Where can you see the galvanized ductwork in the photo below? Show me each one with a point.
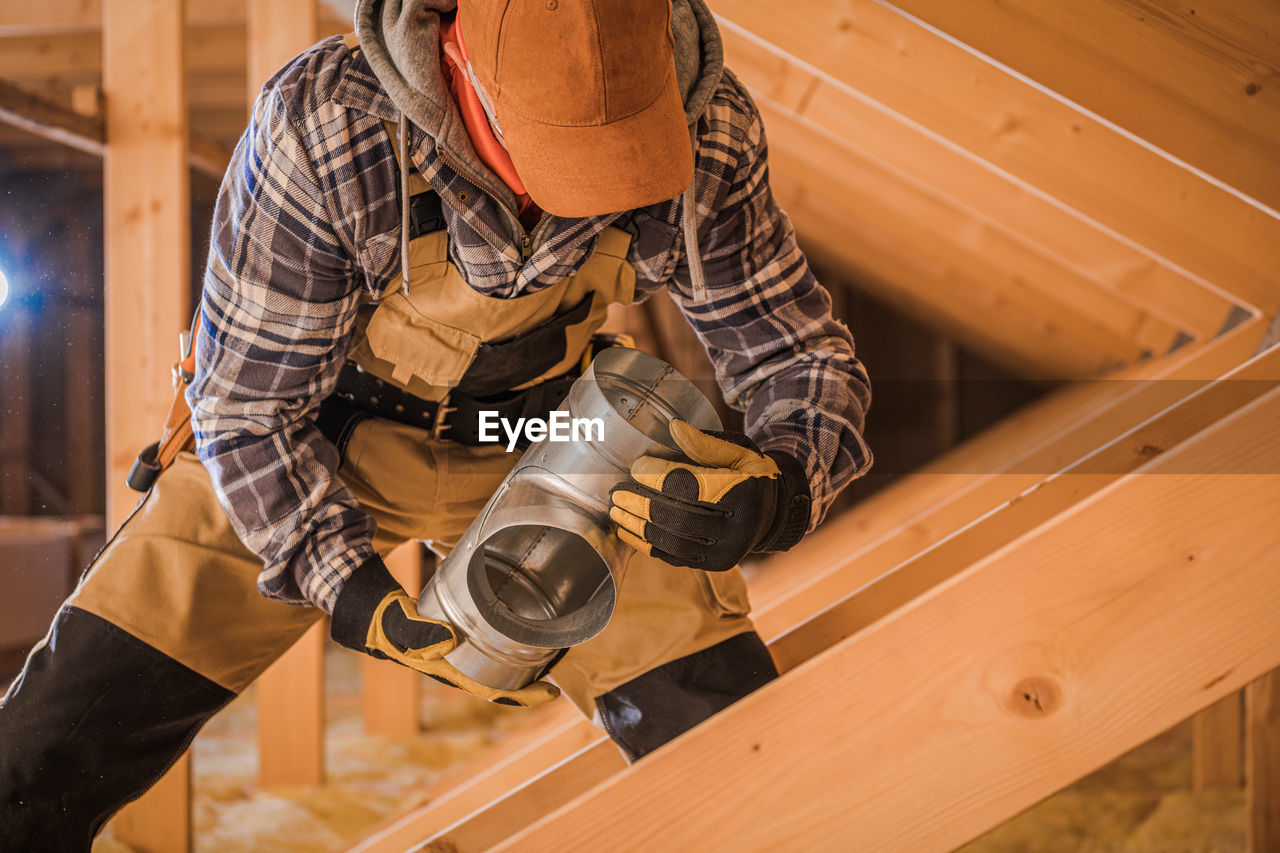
(539, 569)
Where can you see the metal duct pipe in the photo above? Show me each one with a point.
(539, 569)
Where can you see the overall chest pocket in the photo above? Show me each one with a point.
(416, 345)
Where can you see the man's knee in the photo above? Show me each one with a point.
(93, 720)
(668, 700)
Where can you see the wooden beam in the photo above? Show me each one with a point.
(147, 241)
(278, 30)
(39, 116)
(917, 249)
(290, 700)
(51, 121)
(937, 89)
(521, 760)
(1262, 797)
(1036, 665)
(291, 693)
(888, 584)
(1217, 740)
(879, 140)
(16, 327)
(390, 694)
(1195, 80)
(58, 17)
(77, 57)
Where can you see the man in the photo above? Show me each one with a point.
(577, 155)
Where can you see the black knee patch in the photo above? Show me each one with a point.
(94, 720)
(653, 708)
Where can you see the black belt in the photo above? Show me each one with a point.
(359, 395)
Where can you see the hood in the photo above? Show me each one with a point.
(401, 42)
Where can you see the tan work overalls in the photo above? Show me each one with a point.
(176, 576)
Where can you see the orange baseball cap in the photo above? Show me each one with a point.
(585, 98)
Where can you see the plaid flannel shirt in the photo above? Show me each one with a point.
(308, 219)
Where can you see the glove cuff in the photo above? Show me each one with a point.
(357, 601)
(794, 507)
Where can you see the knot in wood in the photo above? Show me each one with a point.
(1035, 697)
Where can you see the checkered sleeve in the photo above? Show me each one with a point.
(279, 302)
(780, 357)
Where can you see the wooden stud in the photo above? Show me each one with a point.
(290, 694)
(15, 404)
(160, 822)
(1036, 665)
(82, 379)
(290, 700)
(278, 30)
(390, 693)
(145, 180)
(1217, 755)
(1262, 764)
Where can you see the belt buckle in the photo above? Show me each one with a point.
(443, 410)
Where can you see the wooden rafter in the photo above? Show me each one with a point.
(1197, 80)
(1038, 664)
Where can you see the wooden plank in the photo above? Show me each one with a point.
(145, 195)
(390, 693)
(160, 822)
(918, 250)
(1262, 797)
(572, 778)
(290, 694)
(290, 700)
(16, 324)
(1217, 755)
(893, 144)
(82, 377)
(870, 52)
(51, 121)
(542, 748)
(72, 16)
(1196, 80)
(1038, 664)
(77, 57)
(278, 30)
(887, 584)
(988, 471)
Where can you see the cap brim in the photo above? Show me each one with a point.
(633, 162)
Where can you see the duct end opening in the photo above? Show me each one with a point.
(541, 586)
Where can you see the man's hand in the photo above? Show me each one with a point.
(708, 515)
(376, 616)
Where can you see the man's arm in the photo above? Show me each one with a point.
(278, 306)
(779, 354)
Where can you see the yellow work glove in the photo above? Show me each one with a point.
(374, 615)
(727, 501)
